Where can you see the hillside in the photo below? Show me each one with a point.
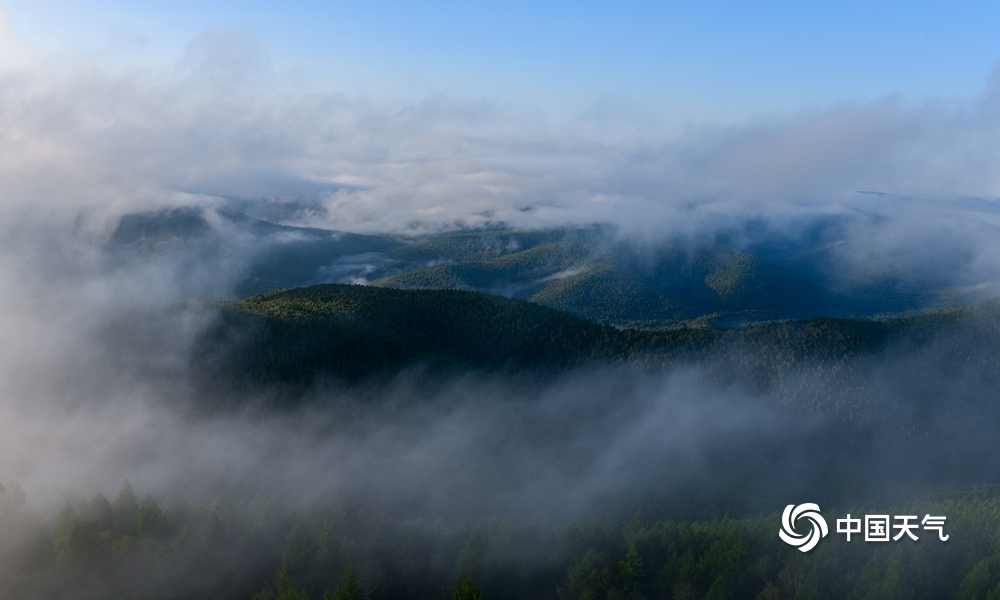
(592, 272)
(263, 255)
(610, 283)
(356, 333)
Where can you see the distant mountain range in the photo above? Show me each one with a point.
(590, 272)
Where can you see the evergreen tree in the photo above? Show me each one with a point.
(101, 510)
(125, 507)
(468, 591)
(348, 588)
(284, 588)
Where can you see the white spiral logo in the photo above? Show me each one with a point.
(817, 530)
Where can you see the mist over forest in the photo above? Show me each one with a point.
(256, 341)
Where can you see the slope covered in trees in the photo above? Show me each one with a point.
(357, 333)
(590, 275)
(127, 548)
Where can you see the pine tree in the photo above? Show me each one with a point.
(468, 591)
(348, 588)
(284, 589)
(125, 508)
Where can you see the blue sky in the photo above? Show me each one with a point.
(687, 62)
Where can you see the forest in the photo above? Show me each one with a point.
(262, 549)
(880, 418)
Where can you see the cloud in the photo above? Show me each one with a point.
(82, 144)
(223, 122)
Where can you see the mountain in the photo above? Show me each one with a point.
(264, 255)
(836, 267)
(353, 333)
(593, 276)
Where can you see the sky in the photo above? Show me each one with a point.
(691, 62)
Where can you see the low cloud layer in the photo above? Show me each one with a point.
(222, 122)
(90, 396)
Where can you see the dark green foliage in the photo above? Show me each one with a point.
(151, 522)
(100, 509)
(231, 550)
(125, 507)
(355, 333)
(514, 274)
(746, 283)
(414, 558)
(79, 541)
(87, 552)
(283, 588)
(468, 591)
(125, 502)
(348, 588)
(586, 274)
(745, 559)
(611, 297)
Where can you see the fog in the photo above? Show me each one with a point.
(97, 386)
(95, 369)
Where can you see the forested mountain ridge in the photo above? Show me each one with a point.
(608, 283)
(354, 333)
(593, 272)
